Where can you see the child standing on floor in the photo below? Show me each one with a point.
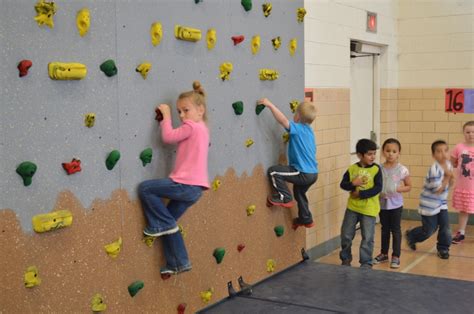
(186, 182)
(302, 168)
(433, 202)
(462, 158)
(396, 180)
(364, 182)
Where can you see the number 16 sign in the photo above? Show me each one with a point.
(459, 100)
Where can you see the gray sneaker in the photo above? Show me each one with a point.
(395, 263)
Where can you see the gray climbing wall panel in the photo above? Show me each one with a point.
(42, 120)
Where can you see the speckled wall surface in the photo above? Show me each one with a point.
(42, 121)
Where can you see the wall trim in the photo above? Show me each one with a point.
(324, 248)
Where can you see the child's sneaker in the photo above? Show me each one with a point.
(443, 254)
(277, 202)
(346, 262)
(395, 263)
(167, 271)
(150, 233)
(380, 258)
(297, 223)
(410, 244)
(458, 238)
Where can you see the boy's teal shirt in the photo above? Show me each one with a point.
(368, 201)
(302, 148)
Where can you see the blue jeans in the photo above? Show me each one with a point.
(348, 229)
(161, 217)
(429, 226)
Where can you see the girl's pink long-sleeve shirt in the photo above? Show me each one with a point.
(191, 156)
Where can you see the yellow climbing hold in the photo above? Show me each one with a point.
(45, 12)
(187, 33)
(52, 221)
(149, 240)
(216, 184)
(276, 42)
(143, 69)
(300, 13)
(66, 71)
(207, 295)
(182, 231)
(251, 210)
(271, 264)
(249, 142)
(225, 69)
(293, 105)
(156, 33)
(89, 120)
(286, 137)
(83, 21)
(97, 303)
(255, 44)
(211, 38)
(32, 277)
(292, 46)
(113, 249)
(267, 9)
(268, 74)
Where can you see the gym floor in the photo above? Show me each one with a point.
(424, 283)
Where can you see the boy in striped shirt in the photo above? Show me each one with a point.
(433, 202)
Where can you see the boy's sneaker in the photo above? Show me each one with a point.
(395, 263)
(150, 233)
(170, 271)
(458, 238)
(443, 254)
(366, 266)
(410, 244)
(380, 258)
(297, 223)
(275, 201)
(346, 262)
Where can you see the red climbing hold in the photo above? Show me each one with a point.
(181, 308)
(240, 247)
(165, 276)
(159, 115)
(73, 166)
(238, 39)
(23, 67)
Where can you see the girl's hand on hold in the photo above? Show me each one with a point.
(165, 110)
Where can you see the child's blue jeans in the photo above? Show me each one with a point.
(161, 217)
(348, 229)
(429, 226)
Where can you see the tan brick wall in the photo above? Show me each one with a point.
(327, 201)
(419, 121)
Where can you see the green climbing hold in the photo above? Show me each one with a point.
(146, 156)
(279, 230)
(247, 4)
(112, 160)
(259, 108)
(219, 254)
(109, 68)
(26, 170)
(134, 287)
(238, 107)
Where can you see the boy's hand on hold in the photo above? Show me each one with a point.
(165, 110)
(264, 101)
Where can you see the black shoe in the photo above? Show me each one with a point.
(458, 238)
(410, 244)
(443, 254)
(346, 262)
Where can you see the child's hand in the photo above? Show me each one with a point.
(358, 181)
(264, 101)
(165, 110)
(355, 194)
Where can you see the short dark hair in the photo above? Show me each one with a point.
(392, 141)
(364, 145)
(436, 144)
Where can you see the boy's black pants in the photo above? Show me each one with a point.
(280, 174)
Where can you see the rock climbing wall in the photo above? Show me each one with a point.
(42, 121)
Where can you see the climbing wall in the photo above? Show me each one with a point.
(42, 121)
